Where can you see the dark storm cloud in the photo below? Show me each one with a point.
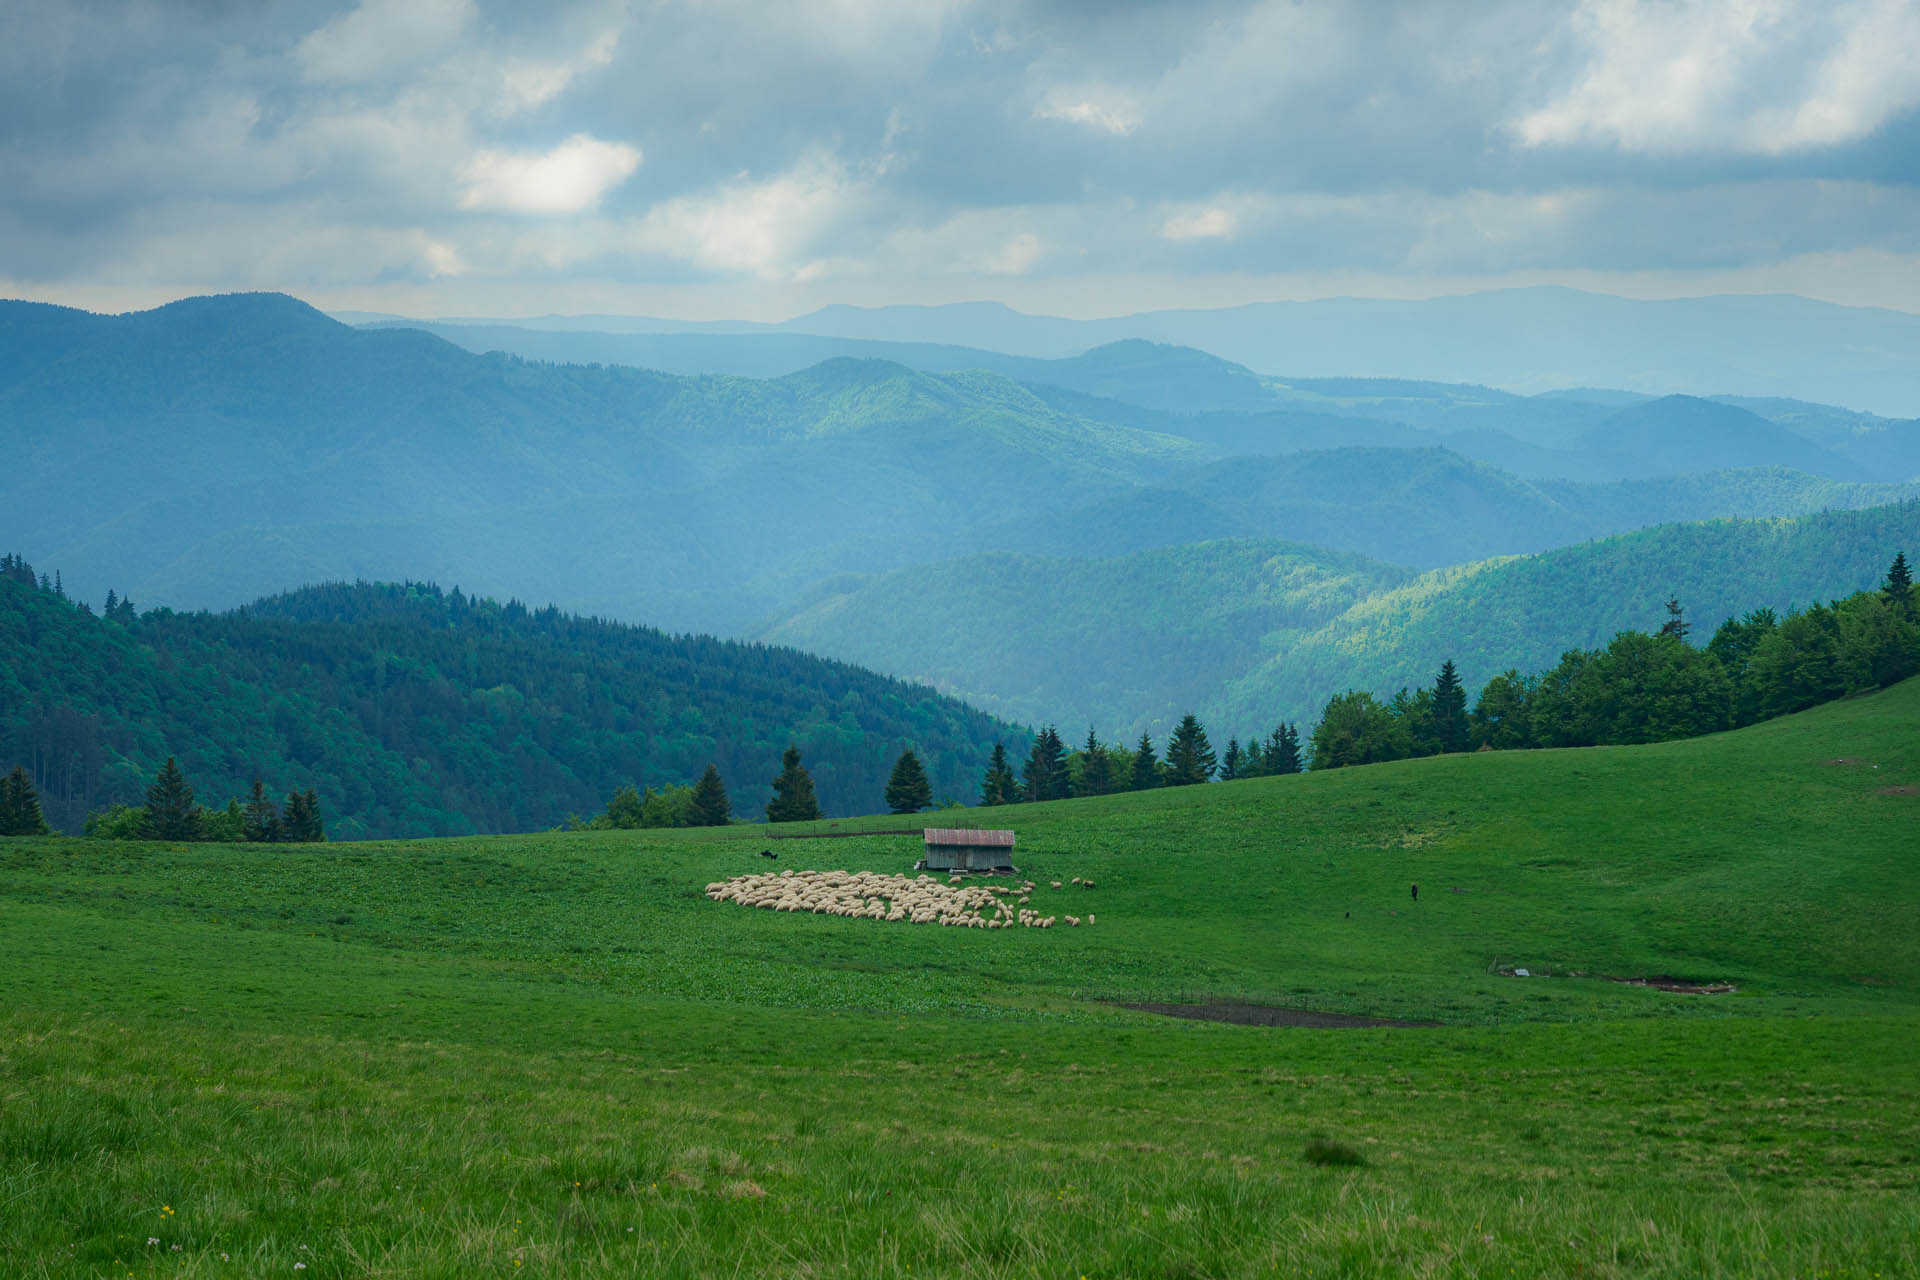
(316, 146)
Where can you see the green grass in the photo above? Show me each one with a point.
(452, 1057)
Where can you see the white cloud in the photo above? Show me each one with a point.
(768, 228)
(381, 37)
(1204, 224)
(571, 177)
(1014, 258)
(530, 84)
(1761, 76)
(1105, 111)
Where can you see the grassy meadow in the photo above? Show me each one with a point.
(553, 1055)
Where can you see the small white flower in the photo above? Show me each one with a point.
(153, 1239)
(299, 1266)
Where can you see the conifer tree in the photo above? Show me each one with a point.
(793, 799)
(1676, 624)
(1285, 748)
(907, 788)
(1230, 762)
(1045, 775)
(1096, 768)
(315, 832)
(1898, 589)
(113, 603)
(300, 818)
(1449, 709)
(260, 820)
(1146, 767)
(20, 806)
(1190, 757)
(170, 813)
(710, 807)
(999, 786)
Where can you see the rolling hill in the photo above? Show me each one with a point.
(1024, 636)
(462, 1054)
(420, 712)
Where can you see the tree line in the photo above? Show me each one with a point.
(1052, 772)
(1642, 687)
(705, 803)
(171, 813)
(1645, 686)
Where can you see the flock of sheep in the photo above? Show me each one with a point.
(870, 895)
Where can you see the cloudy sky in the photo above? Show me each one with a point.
(732, 158)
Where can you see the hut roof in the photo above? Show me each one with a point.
(969, 836)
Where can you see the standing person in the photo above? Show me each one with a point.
(1416, 893)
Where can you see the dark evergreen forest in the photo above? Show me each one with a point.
(416, 711)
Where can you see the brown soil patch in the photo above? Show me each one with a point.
(1844, 760)
(1909, 789)
(1243, 1014)
(1662, 982)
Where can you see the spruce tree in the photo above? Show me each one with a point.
(1676, 624)
(1287, 758)
(907, 788)
(1898, 589)
(1449, 709)
(1146, 768)
(170, 813)
(260, 821)
(1230, 762)
(300, 818)
(1190, 757)
(1045, 775)
(999, 786)
(793, 799)
(1096, 768)
(710, 807)
(20, 806)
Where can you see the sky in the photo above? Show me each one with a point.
(755, 160)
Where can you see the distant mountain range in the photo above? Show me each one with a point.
(220, 449)
(217, 449)
(1580, 434)
(1524, 340)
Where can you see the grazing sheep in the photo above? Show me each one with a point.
(1056, 884)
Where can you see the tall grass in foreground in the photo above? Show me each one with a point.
(179, 1151)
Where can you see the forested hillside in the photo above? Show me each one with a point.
(1132, 640)
(1031, 636)
(216, 449)
(1525, 612)
(414, 711)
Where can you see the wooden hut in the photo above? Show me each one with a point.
(966, 849)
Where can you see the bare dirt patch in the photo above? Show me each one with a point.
(1244, 1014)
(1907, 789)
(1663, 982)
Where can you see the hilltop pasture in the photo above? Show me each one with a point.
(554, 1055)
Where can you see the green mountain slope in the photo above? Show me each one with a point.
(1115, 642)
(1250, 633)
(1524, 612)
(418, 712)
(1421, 507)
